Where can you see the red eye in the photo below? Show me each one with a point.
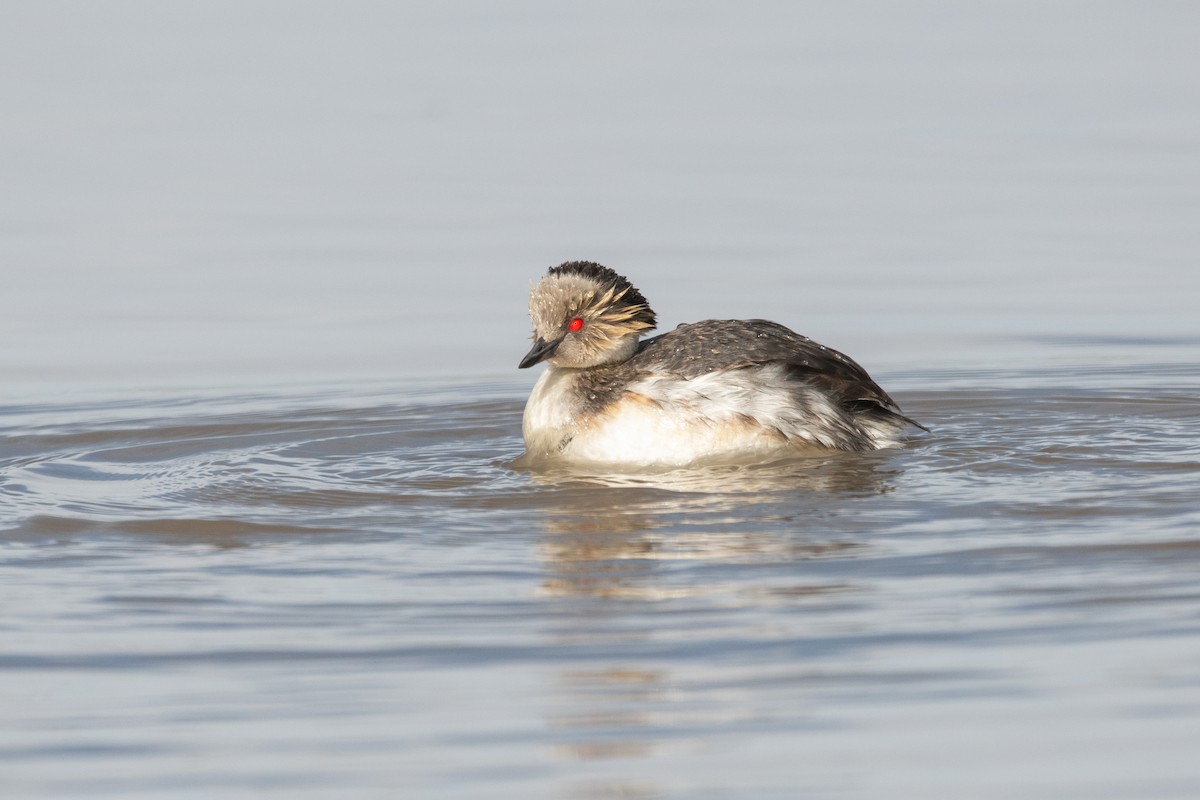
(575, 324)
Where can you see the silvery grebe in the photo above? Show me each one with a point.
(711, 390)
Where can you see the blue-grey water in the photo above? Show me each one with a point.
(264, 272)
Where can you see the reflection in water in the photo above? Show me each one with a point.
(606, 706)
(621, 565)
(849, 473)
(623, 549)
(604, 530)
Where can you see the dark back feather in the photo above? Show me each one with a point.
(691, 350)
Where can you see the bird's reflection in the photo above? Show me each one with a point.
(630, 556)
(604, 531)
(842, 473)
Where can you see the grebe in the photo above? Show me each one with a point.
(711, 390)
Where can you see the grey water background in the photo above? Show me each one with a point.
(264, 272)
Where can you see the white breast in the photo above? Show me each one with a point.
(550, 413)
(663, 420)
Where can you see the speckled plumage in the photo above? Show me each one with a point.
(715, 389)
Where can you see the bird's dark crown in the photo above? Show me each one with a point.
(608, 279)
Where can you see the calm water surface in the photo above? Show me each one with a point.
(264, 268)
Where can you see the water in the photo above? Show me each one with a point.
(344, 592)
(264, 274)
